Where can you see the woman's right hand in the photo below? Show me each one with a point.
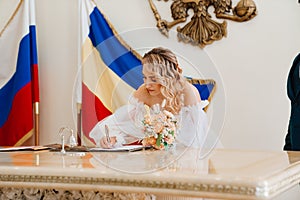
(105, 144)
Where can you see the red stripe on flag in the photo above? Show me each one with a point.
(19, 121)
(93, 111)
(35, 83)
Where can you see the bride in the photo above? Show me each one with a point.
(163, 80)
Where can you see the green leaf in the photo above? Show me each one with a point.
(158, 140)
(172, 133)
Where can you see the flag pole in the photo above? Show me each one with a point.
(34, 73)
(79, 124)
(78, 102)
(36, 123)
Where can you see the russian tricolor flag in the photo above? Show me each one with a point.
(111, 71)
(19, 89)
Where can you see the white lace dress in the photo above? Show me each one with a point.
(126, 124)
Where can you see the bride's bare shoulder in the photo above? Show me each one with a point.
(191, 95)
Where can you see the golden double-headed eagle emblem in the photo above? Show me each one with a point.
(202, 29)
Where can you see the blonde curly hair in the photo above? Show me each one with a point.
(163, 64)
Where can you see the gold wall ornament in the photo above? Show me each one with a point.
(202, 30)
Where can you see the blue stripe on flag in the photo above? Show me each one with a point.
(33, 46)
(113, 53)
(21, 77)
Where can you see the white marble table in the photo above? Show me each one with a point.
(223, 174)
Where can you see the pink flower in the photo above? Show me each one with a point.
(158, 127)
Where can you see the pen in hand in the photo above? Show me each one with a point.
(107, 135)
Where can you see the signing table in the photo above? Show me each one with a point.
(222, 174)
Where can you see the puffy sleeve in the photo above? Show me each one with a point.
(125, 124)
(194, 125)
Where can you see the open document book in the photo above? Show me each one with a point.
(24, 148)
(118, 149)
(57, 147)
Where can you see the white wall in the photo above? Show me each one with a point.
(254, 62)
(250, 108)
(57, 30)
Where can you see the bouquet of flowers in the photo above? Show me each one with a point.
(160, 127)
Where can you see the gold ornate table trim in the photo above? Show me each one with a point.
(140, 185)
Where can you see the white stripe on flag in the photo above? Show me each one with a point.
(9, 43)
